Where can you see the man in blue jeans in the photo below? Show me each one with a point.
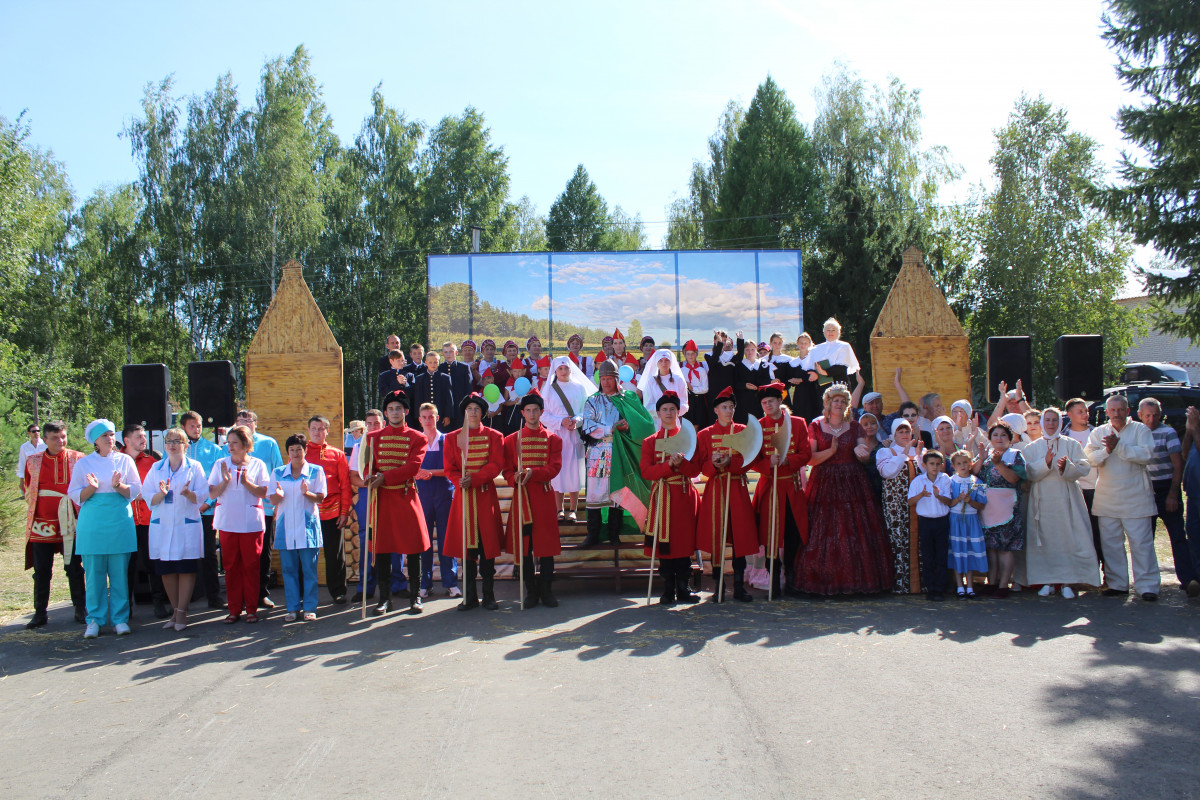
(1166, 476)
(1191, 485)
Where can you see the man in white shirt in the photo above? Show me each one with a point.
(1124, 500)
(34, 445)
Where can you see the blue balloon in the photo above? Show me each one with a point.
(521, 386)
(625, 373)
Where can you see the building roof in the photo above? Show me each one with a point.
(293, 322)
(916, 306)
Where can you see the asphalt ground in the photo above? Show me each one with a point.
(860, 698)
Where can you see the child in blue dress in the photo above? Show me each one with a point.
(968, 551)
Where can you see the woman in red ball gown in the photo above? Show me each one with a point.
(847, 550)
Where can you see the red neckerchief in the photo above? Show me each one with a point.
(693, 371)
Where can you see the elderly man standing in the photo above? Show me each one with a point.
(1124, 500)
(1166, 476)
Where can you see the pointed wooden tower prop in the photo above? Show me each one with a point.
(918, 331)
(294, 371)
(294, 364)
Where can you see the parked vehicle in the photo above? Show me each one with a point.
(1175, 398)
(1154, 372)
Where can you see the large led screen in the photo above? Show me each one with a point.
(670, 295)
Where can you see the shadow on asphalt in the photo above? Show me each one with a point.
(1134, 671)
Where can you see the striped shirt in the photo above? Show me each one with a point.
(1166, 442)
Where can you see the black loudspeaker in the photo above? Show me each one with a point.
(1009, 359)
(212, 389)
(145, 391)
(1080, 361)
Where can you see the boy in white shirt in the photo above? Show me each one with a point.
(930, 497)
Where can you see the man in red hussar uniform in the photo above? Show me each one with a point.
(474, 459)
(397, 521)
(671, 515)
(532, 457)
(791, 508)
(726, 501)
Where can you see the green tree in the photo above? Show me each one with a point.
(879, 186)
(690, 219)
(623, 232)
(531, 228)
(464, 182)
(578, 219)
(634, 334)
(768, 188)
(1050, 264)
(1158, 198)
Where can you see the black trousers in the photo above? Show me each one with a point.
(933, 536)
(383, 573)
(43, 569)
(335, 557)
(210, 575)
(1088, 496)
(264, 561)
(141, 560)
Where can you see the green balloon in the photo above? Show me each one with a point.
(491, 392)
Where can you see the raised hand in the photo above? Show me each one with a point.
(1003, 390)
(225, 471)
(164, 487)
(1062, 465)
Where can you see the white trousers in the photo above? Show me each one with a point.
(1113, 532)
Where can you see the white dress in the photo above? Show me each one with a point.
(1058, 531)
(576, 391)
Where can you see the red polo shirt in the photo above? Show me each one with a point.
(339, 494)
(141, 512)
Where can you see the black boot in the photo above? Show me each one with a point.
(488, 571)
(75, 578)
(669, 578)
(683, 575)
(773, 567)
(414, 584)
(545, 579)
(383, 576)
(615, 518)
(718, 588)
(739, 581)
(529, 579)
(470, 598)
(41, 599)
(593, 528)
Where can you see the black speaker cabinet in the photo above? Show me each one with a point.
(212, 388)
(145, 391)
(1009, 359)
(1080, 361)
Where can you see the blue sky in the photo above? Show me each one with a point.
(632, 90)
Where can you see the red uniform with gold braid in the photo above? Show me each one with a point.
(541, 452)
(674, 501)
(399, 522)
(742, 531)
(791, 492)
(485, 463)
(46, 479)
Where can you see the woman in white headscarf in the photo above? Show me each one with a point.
(1058, 538)
(1017, 423)
(662, 375)
(967, 433)
(564, 396)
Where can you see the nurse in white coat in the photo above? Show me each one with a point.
(1058, 535)
(565, 393)
(174, 489)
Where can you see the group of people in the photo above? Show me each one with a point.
(849, 499)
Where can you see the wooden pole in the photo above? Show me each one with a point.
(724, 536)
(364, 553)
(521, 521)
(466, 451)
(773, 552)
